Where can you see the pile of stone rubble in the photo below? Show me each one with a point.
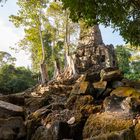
(97, 106)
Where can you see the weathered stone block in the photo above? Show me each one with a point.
(104, 123)
(8, 109)
(111, 74)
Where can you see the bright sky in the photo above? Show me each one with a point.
(9, 35)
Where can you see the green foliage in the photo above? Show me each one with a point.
(123, 15)
(6, 58)
(128, 62)
(134, 73)
(31, 17)
(123, 57)
(53, 28)
(14, 79)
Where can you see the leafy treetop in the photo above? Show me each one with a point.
(6, 58)
(122, 15)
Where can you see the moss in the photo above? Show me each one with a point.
(83, 87)
(104, 123)
(89, 109)
(137, 131)
(78, 101)
(126, 134)
(100, 85)
(83, 100)
(125, 92)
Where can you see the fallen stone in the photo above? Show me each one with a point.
(126, 134)
(131, 83)
(83, 88)
(131, 104)
(127, 105)
(64, 115)
(7, 133)
(93, 77)
(106, 93)
(100, 85)
(116, 84)
(12, 128)
(71, 101)
(33, 104)
(83, 101)
(14, 99)
(124, 105)
(71, 120)
(137, 131)
(111, 74)
(113, 104)
(98, 124)
(100, 88)
(87, 110)
(125, 92)
(8, 109)
(58, 130)
(39, 113)
(41, 133)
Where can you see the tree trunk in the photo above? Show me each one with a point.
(55, 59)
(57, 69)
(43, 69)
(44, 75)
(69, 62)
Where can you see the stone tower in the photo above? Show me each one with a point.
(92, 52)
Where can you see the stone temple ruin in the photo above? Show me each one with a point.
(92, 52)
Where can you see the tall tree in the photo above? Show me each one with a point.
(63, 31)
(44, 74)
(47, 29)
(123, 15)
(31, 17)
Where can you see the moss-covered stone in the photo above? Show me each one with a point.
(83, 100)
(100, 85)
(77, 101)
(83, 87)
(104, 123)
(137, 131)
(125, 92)
(126, 134)
(100, 88)
(113, 103)
(71, 101)
(109, 74)
(89, 109)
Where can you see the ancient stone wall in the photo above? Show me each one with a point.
(92, 52)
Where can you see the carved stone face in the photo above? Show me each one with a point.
(91, 50)
(90, 35)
